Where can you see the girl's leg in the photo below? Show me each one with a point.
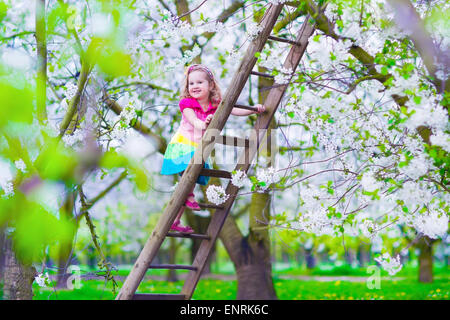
(180, 213)
(191, 198)
(177, 226)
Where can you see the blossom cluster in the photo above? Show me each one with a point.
(216, 194)
(71, 91)
(391, 264)
(128, 113)
(43, 280)
(253, 30)
(238, 178)
(284, 76)
(20, 164)
(266, 177)
(8, 188)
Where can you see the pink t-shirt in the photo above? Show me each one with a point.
(186, 128)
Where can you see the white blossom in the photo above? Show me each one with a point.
(316, 222)
(367, 228)
(102, 24)
(128, 113)
(266, 177)
(433, 224)
(239, 178)
(8, 188)
(441, 139)
(74, 139)
(215, 27)
(416, 168)
(390, 264)
(71, 90)
(216, 194)
(369, 183)
(253, 30)
(282, 78)
(21, 165)
(43, 280)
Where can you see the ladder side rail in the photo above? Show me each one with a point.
(247, 155)
(191, 173)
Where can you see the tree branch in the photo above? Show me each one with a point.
(41, 44)
(138, 126)
(407, 18)
(140, 83)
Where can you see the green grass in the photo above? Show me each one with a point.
(208, 289)
(407, 288)
(409, 271)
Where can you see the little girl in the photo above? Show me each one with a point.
(201, 96)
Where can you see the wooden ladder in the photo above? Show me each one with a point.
(195, 168)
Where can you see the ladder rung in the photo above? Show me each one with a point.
(206, 206)
(215, 173)
(188, 235)
(260, 74)
(240, 106)
(234, 141)
(293, 4)
(172, 266)
(209, 206)
(158, 296)
(295, 43)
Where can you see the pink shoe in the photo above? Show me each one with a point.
(187, 229)
(192, 205)
(176, 227)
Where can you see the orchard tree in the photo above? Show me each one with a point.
(363, 131)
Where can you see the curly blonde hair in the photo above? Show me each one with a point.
(215, 95)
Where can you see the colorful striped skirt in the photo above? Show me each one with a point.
(178, 154)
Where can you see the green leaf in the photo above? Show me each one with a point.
(3, 10)
(36, 228)
(417, 99)
(111, 159)
(56, 162)
(140, 178)
(17, 103)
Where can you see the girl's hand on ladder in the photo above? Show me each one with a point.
(208, 119)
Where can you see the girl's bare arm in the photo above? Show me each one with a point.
(243, 112)
(192, 118)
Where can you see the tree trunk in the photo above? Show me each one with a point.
(41, 44)
(200, 226)
(425, 246)
(310, 259)
(251, 255)
(2, 253)
(349, 256)
(363, 255)
(65, 250)
(18, 278)
(256, 253)
(171, 273)
(251, 259)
